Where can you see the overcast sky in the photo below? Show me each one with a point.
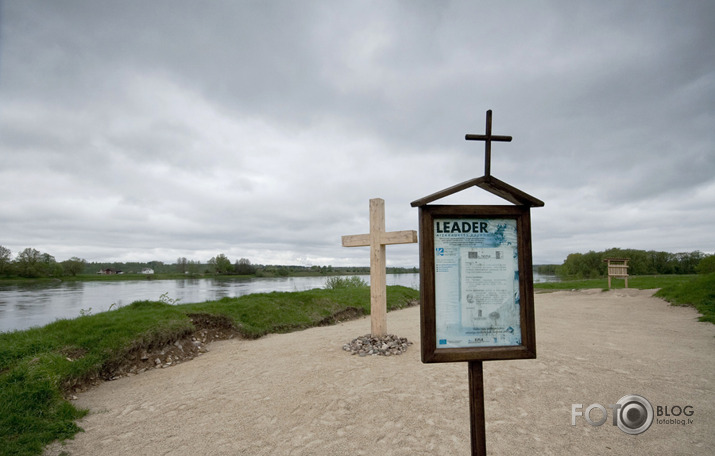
(152, 130)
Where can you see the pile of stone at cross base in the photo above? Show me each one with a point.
(387, 345)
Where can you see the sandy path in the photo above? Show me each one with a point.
(301, 394)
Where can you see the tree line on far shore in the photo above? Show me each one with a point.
(31, 263)
(591, 265)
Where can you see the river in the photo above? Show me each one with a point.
(26, 305)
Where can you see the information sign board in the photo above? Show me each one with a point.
(476, 283)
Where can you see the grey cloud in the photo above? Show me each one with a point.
(137, 128)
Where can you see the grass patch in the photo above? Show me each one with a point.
(640, 282)
(698, 292)
(680, 290)
(39, 365)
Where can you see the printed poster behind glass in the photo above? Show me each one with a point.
(478, 264)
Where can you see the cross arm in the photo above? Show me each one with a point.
(470, 137)
(392, 237)
(356, 240)
(399, 237)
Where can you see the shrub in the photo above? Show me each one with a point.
(334, 283)
(706, 265)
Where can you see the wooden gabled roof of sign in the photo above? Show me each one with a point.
(486, 182)
(490, 184)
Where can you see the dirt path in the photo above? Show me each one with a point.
(301, 394)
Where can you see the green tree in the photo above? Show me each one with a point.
(193, 267)
(73, 266)
(157, 266)
(590, 265)
(29, 263)
(181, 265)
(220, 264)
(582, 266)
(33, 263)
(706, 265)
(49, 267)
(5, 261)
(688, 261)
(244, 267)
(662, 262)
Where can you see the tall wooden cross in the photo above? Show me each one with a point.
(488, 138)
(377, 239)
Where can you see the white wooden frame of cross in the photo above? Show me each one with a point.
(377, 239)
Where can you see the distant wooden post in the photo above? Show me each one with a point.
(377, 239)
(618, 268)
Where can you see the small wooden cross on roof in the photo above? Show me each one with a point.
(377, 239)
(487, 181)
(488, 138)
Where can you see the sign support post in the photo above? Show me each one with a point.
(476, 409)
(476, 282)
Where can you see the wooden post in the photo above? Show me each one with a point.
(377, 239)
(476, 409)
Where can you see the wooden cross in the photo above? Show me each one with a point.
(488, 138)
(377, 239)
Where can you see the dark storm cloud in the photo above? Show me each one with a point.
(262, 128)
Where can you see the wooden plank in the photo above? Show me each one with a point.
(476, 409)
(509, 193)
(398, 237)
(378, 281)
(488, 183)
(427, 286)
(356, 240)
(471, 137)
(378, 292)
(392, 237)
(526, 286)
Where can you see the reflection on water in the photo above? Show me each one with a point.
(33, 304)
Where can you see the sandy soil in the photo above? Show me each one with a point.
(301, 394)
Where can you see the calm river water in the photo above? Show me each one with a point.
(25, 306)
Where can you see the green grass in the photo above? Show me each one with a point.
(39, 365)
(639, 282)
(680, 290)
(698, 292)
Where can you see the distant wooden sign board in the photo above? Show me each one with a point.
(618, 268)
